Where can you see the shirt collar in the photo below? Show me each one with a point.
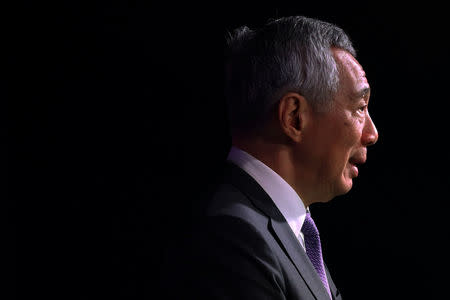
(281, 193)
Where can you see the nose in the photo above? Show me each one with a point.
(370, 132)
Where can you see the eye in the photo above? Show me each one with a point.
(362, 108)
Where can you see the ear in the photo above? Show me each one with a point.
(292, 115)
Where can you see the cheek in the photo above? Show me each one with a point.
(351, 135)
(336, 155)
(333, 143)
(345, 141)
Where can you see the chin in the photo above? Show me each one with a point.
(344, 187)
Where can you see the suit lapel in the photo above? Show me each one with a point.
(280, 227)
(299, 258)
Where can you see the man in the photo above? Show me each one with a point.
(300, 127)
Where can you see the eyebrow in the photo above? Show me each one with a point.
(362, 93)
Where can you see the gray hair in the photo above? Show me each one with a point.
(291, 54)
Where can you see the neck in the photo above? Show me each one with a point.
(281, 159)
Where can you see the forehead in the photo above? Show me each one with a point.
(351, 72)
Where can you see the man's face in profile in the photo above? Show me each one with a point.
(339, 138)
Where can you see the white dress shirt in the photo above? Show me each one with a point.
(282, 194)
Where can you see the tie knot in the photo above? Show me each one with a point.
(309, 227)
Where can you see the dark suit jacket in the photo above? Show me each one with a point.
(245, 249)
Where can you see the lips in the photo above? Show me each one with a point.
(355, 161)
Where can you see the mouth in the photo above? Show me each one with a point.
(354, 170)
(354, 163)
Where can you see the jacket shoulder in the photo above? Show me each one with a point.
(230, 201)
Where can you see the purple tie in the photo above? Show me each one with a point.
(314, 250)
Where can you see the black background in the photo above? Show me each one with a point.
(116, 123)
